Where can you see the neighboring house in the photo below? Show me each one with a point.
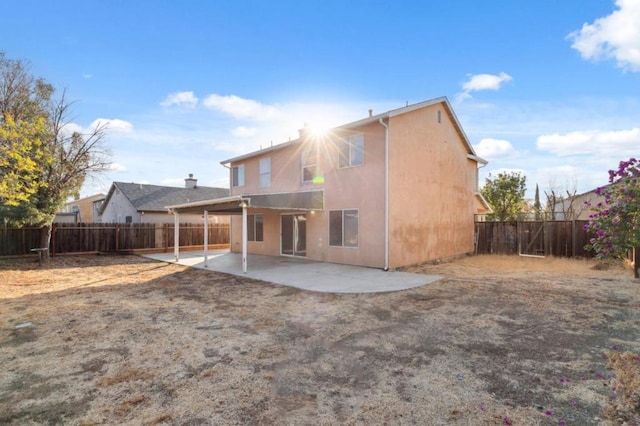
(142, 203)
(80, 210)
(66, 217)
(577, 207)
(390, 190)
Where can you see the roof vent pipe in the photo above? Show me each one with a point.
(370, 113)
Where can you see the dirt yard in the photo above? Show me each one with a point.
(126, 340)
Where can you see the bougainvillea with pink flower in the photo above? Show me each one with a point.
(615, 222)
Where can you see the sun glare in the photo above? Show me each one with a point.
(317, 130)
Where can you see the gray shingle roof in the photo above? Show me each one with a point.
(156, 198)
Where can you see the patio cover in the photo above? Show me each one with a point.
(307, 200)
(239, 204)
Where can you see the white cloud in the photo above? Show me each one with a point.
(494, 148)
(87, 76)
(481, 82)
(117, 167)
(619, 143)
(616, 36)
(485, 82)
(181, 99)
(71, 128)
(112, 125)
(244, 132)
(241, 108)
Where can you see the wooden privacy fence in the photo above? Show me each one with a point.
(533, 238)
(110, 237)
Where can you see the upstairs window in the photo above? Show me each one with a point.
(238, 175)
(309, 165)
(265, 172)
(351, 151)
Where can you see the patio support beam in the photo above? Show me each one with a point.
(176, 235)
(244, 237)
(206, 236)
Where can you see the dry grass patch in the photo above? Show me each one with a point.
(624, 405)
(500, 339)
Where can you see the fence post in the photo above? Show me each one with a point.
(52, 243)
(573, 238)
(165, 237)
(117, 236)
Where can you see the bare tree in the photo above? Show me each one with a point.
(564, 207)
(69, 157)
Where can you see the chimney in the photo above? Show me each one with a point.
(304, 132)
(370, 113)
(190, 182)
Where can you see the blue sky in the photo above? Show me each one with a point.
(550, 88)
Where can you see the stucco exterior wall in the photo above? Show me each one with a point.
(431, 187)
(359, 187)
(85, 206)
(118, 209)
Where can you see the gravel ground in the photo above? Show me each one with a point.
(127, 340)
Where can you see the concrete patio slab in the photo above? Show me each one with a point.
(302, 273)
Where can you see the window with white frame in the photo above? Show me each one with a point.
(255, 227)
(343, 228)
(238, 175)
(351, 151)
(309, 164)
(265, 172)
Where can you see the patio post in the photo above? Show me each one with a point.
(244, 237)
(176, 235)
(206, 236)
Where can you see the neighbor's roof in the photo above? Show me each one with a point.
(471, 154)
(155, 198)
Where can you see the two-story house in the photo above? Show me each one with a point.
(390, 190)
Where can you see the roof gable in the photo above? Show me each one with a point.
(471, 154)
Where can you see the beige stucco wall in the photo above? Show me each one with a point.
(431, 187)
(431, 193)
(118, 208)
(359, 187)
(85, 206)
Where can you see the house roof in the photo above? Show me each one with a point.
(155, 198)
(471, 154)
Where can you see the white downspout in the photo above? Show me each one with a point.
(386, 195)
(244, 237)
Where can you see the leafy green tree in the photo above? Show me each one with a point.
(42, 161)
(615, 222)
(21, 153)
(505, 195)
